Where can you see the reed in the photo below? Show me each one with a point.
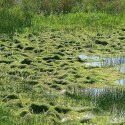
(20, 16)
(107, 99)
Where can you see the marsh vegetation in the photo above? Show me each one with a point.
(62, 62)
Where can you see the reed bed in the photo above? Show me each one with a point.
(36, 64)
(19, 17)
(108, 99)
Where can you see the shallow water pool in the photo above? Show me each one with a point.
(118, 61)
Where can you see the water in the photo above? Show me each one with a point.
(100, 61)
(106, 62)
(89, 116)
(94, 91)
(89, 57)
(122, 69)
(121, 81)
(94, 64)
(113, 61)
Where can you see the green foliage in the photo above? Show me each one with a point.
(39, 69)
(13, 17)
(57, 6)
(7, 3)
(66, 6)
(92, 21)
(18, 15)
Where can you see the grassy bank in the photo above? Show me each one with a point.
(73, 21)
(90, 21)
(43, 80)
(97, 14)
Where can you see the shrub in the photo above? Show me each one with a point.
(13, 17)
(56, 6)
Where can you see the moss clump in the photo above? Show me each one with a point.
(29, 48)
(38, 50)
(23, 113)
(52, 103)
(26, 61)
(46, 69)
(17, 41)
(59, 53)
(62, 109)
(121, 37)
(52, 57)
(32, 82)
(53, 114)
(57, 87)
(6, 61)
(10, 97)
(23, 66)
(37, 109)
(61, 82)
(19, 46)
(85, 120)
(90, 81)
(102, 42)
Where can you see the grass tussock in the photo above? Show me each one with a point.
(44, 80)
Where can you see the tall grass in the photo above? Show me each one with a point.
(13, 21)
(41, 14)
(107, 99)
(7, 118)
(112, 99)
(91, 21)
(66, 6)
(13, 17)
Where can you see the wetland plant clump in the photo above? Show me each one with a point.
(26, 61)
(62, 109)
(59, 60)
(107, 99)
(37, 109)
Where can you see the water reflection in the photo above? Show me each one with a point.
(122, 69)
(94, 91)
(121, 81)
(95, 64)
(101, 62)
(113, 61)
(105, 62)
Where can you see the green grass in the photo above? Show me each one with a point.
(96, 21)
(36, 69)
(91, 21)
(42, 79)
(67, 14)
(110, 99)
